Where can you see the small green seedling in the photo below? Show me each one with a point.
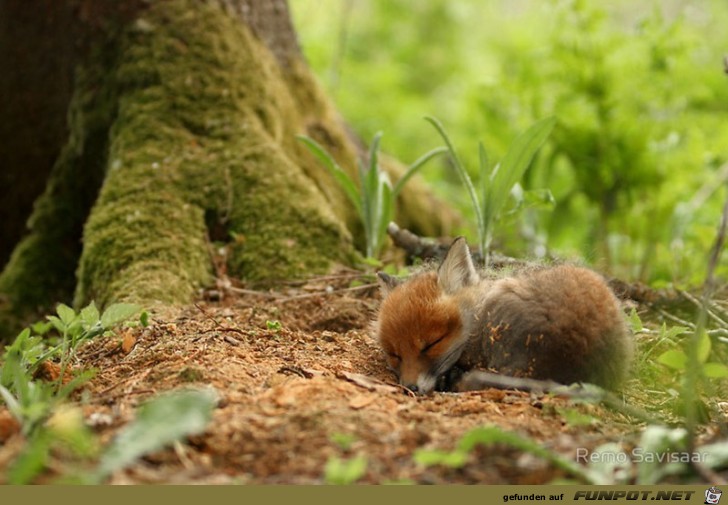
(273, 325)
(345, 471)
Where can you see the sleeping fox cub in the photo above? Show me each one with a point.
(561, 323)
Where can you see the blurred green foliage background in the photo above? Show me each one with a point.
(638, 161)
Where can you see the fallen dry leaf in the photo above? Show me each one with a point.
(8, 425)
(128, 341)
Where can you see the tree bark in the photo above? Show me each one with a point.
(182, 118)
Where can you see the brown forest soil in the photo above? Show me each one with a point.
(285, 392)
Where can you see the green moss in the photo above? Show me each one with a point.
(202, 118)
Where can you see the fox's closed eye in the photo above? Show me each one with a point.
(433, 344)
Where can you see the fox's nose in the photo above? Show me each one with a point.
(412, 387)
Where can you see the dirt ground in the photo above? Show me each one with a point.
(286, 393)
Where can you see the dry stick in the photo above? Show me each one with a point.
(262, 294)
(704, 304)
(324, 293)
(676, 319)
(218, 326)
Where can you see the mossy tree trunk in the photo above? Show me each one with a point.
(182, 117)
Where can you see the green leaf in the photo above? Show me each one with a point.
(41, 327)
(13, 358)
(90, 315)
(674, 358)
(659, 440)
(535, 199)
(430, 457)
(75, 383)
(714, 370)
(519, 156)
(66, 313)
(672, 332)
(31, 461)
(343, 440)
(342, 178)
(117, 313)
(144, 319)
(575, 418)
(273, 325)
(59, 325)
(635, 322)
(160, 422)
(704, 345)
(345, 471)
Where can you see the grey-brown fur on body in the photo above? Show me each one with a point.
(561, 323)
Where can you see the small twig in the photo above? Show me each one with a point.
(296, 370)
(262, 294)
(707, 474)
(222, 328)
(218, 326)
(676, 319)
(128, 381)
(325, 293)
(230, 340)
(703, 305)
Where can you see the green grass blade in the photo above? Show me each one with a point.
(13, 406)
(386, 212)
(464, 177)
(487, 216)
(75, 383)
(372, 195)
(366, 206)
(414, 167)
(342, 178)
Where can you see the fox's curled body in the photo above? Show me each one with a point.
(561, 323)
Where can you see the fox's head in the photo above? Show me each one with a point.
(421, 326)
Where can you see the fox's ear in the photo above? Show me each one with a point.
(387, 282)
(457, 270)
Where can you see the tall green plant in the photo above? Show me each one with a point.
(374, 197)
(495, 185)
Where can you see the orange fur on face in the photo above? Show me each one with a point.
(417, 324)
